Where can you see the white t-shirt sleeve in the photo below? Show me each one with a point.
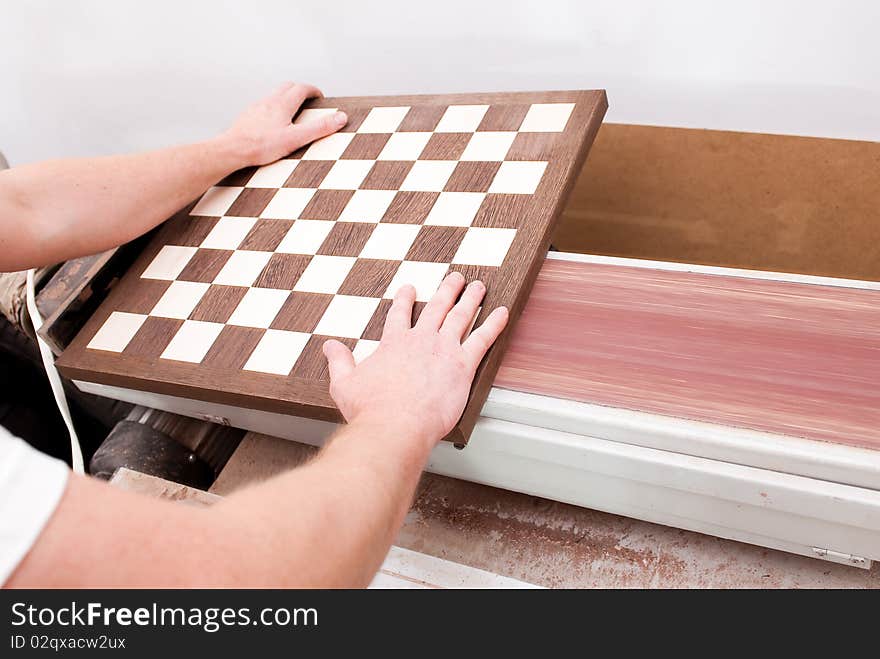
(31, 485)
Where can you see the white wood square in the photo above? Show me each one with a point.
(272, 176)
(179, 299)
(347, 316)
(461, 119)
(518, 177)
(216, 201)
(428, 175)
(546, 118)
(383, 120)
(192, 341)
(484, 246)
(228, 232)
(425, 277)
(313, 114)
(455, 209)
(258, 307)
(404, 146)
(328, 148)
(367, 205)
(277, 352)
(288, 203)
(363, 349)
(390, 241)
(346, 174)
(117, 331)
(169, 262)
(488, 147)
(242, 268)
(305, 237)
(324, 274)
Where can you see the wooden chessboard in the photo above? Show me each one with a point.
(234, 297)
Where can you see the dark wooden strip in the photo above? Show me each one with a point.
(145, 297)
(503, 211)
(445, 146)
(218, 303)
(312, 364)
(204, 265)
(193, 230)
(153, 337)
(410, 207)
(301, 312)
(282, 271)
(233, 347)
(369, 278)
(386, 175)
(346, 239)
(421, 118)
(365, 146)
(266, 235)
(472, 177)
(504, 117)
(251, 202)
(326, 205)
(436, 244)
(308, 174)
(533, 146)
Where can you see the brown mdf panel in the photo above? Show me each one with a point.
(283, 267)
(745, 200)
(786, 358)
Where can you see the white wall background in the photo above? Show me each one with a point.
(84, 77)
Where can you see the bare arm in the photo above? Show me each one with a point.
(327, 524)
(56, 210)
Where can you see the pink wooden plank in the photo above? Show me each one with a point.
(787, 358)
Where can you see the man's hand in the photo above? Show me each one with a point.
(264, 133)
(418, 379)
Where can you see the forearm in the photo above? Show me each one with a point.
(326, 524)
(331, 522)
(69, 208)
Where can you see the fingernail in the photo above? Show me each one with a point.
(340, 118)
(456, 275)
(478, 284)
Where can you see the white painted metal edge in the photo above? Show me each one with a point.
(784, 453)
(715, 270)
(763, 507)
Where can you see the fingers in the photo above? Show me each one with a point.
(399, 318)
(482, 338)
(302, 134)
(339, 359)
(458, 321)
(294, 95)
(434, 313)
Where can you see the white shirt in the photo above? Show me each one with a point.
(31, 485)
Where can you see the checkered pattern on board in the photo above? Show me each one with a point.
(275, 260)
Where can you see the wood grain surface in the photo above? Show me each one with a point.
(788, 358)
(216, 374)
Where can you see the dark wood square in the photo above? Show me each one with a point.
(445, 146)
(472, 177)
(282, 271)
(502, 211)
(308, 174)
(191, 231)
(369, 278)
(304, 392)
(410, 207)
(421, 118)
(239, 177)
(251, 202)
(504, 117)
(326, 205)
(386, 175)
(266, 235)
(218, 303)
(301, 312)
(233, 347)
(365, 146)
(153, 337)
(436, 244)
(346, 239)
(312, 364)
(205, 265)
